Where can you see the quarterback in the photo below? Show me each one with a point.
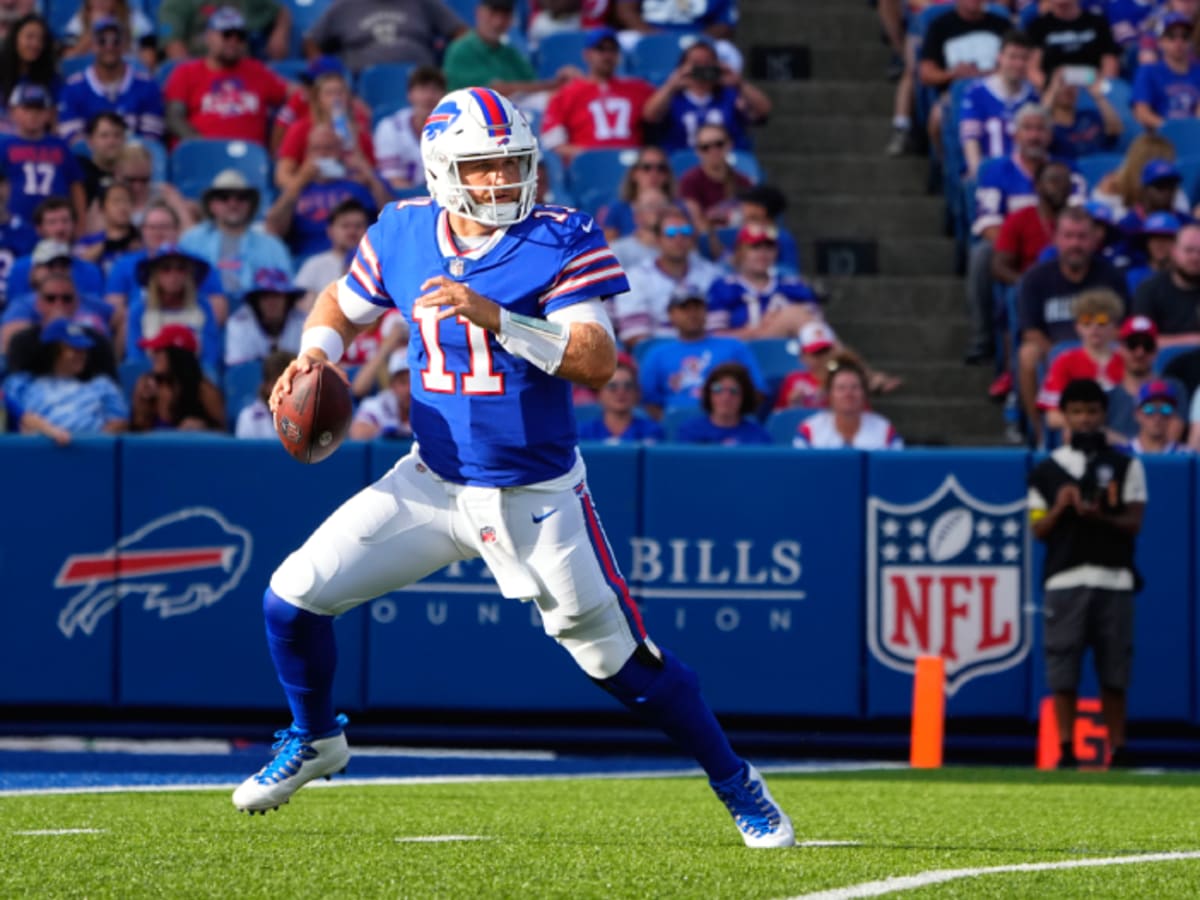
(504, 300)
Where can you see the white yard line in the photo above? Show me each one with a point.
(940, 876)
(441, 838)
(43, 832)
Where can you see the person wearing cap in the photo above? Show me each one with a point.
(366, 32)
(1171, 298)
(226, 95)
(805, 387)
(170, 279)
(226, 240)
(255, 421)
(267, 320)
(328, 176)
(1138, 345)
(1169, 88)
(387, 413)
(673, 370)
(182, 25)
(398, 135)
(1161, 192)
(755, 302)
(620, 420)
(1157, 240)
(175, 394)
(87, 32)
(38, 163)
(704, 88)
(481, 57)
(110, 84)
(57, 397)
(1158, 414)
(569, 126)
(1068, 35)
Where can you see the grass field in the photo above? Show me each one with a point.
(614, 838)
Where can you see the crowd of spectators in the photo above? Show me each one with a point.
(1065, 134)
(140, 291)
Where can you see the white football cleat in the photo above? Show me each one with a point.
(758, 817)
(299, 758)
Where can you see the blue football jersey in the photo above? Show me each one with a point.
(988, 118)
(481, 415)
(734, 304)
(686, 116)
(37, 169)
(137, 99)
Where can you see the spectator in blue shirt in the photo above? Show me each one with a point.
(1169, 89)
(620, 422)
(1079, 130)
(729, 400)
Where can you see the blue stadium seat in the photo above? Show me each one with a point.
(241, 388)
(557, 50)
(594, 176)
(195, 163)
(1184, 134)
(384, 87)
(1165, 355)
(776, 358)
(164, 70)
(1189, 168)
(1058, 349)
(58, 13)
(743, 160)
(1095, 166)
(641, 348)
(128, 373)
(675, 417)
(656, 56)
(75, 64)
(291, 69)
(782, 423)
(556, 175)
(465, 9)
(304, 14)
(587, 412)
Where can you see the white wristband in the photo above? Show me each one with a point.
(536, 340)
(322, 337)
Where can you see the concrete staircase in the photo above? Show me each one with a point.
(824, 148)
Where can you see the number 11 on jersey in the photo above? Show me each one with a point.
(480, 379)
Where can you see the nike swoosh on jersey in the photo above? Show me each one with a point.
(538, 520)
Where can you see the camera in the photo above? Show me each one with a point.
(706, 73)
(1079, 76)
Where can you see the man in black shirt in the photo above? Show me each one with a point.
(1047, 291)
(1087, 502)
(1172, 298)
(1067, 36)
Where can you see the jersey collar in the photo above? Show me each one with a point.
(448, 248)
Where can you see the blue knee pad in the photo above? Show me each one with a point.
(305, 656)
(666, 692)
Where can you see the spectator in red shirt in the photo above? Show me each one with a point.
(806, 386)
(226, 94)
(1097, 316)
(598, 110)
(1030, 230)
(713, 185)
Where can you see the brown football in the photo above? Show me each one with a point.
(312, 420)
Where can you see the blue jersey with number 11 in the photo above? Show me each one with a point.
(481, 415)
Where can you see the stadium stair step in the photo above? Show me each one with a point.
(824, 147)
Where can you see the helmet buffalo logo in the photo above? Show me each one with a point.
(439, 120)
(179, 563)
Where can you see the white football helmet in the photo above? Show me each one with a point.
(478, 123)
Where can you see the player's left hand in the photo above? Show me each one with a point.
(453, 298)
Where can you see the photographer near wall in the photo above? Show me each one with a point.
(1086, 502)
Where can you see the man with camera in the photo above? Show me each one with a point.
(1086, 502)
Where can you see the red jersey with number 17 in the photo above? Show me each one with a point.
(585, 113)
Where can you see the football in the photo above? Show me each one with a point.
(312, 420)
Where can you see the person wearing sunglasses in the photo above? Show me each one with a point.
(620, 421)
(183, 25)
(650, 171)
(729, 400)
(1158, 415)
(1138, 346)
(226, 95)
(1097, 319)
(175, 394)
(714, 185)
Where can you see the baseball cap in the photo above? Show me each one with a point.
(816, 336)
(685, 292)
(1173, 20)
(323, 65)
(47, 251)
(758, 234)
(1100, 212)
(1138, 325)
(398, 361)
(227, 19)
(1158, 390)
(274, 281)
(29, 94)
(172, 335)
(599, 35)
(170, 251)
(67, 332)
(100, 23)
(505, 5)
(1161, 223)
(1160, 170)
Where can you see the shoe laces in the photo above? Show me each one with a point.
(743, 796)
(293, 748)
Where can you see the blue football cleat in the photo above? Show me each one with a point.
(755, 812)
(299, 758)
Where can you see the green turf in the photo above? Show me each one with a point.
(612, 839)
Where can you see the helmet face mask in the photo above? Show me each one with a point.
(471, 125)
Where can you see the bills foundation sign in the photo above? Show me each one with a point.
(948, 576)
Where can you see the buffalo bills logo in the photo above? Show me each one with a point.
(439, 120)
(948, 576)
(179, 564)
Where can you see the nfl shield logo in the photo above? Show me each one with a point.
(457, 267)
(948, 576)
(487, 534)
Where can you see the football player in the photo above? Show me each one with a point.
(504, 301)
